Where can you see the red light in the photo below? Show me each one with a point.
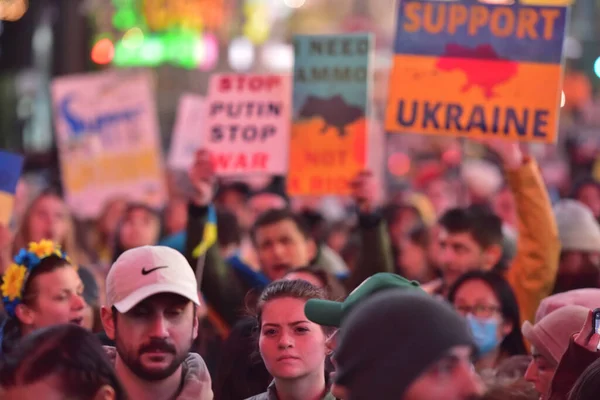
(103, 52)
(399, 164)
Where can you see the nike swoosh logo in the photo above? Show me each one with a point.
(147, 271)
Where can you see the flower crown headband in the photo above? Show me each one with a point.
(15, 277)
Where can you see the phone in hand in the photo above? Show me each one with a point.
(596, 321)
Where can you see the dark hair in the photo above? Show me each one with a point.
(484, 226)
(316, 223)
(68, 352)
(12, 329)
(276, 187)
(334, 289)
(419, 235)
(228, 228)
(240, 188)
(392, 212)
(513, 343)
(587, 385)
(297, 289)
(131, 207)
(581, 184)
(275, 216)
(241, 372)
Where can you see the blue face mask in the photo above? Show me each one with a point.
(485, 332)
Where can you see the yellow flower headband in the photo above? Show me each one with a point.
(15, 277)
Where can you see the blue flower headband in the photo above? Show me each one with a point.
(15, 277)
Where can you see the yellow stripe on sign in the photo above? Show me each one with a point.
(111, 169)
(7, 202)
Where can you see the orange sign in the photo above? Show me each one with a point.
(191, 14)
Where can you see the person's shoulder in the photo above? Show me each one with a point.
(262, 396)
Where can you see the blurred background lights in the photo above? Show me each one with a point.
(257, 15)
(278, 56)
(398, 164)
(133, 38)
(200, 51)
(211, 52)
(597, 67)
(294, 3)
(572, 48)
(103, 52)
(279, 10)
(124, 19)
(241, 54)
(152, 51)
(562, 99)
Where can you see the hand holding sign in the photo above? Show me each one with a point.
(202, 177)
(509, 152)
(363, 189)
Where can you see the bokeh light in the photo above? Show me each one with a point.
(133, 38)
(257, 27)
(278, 56)
(124, 19)
(572, 48)
(103, 52)
(562, 99)
(597, 67)
(241, 54)
(398, 164)
(211, 52)
(294, 3)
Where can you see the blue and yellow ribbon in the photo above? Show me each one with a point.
(209, 236)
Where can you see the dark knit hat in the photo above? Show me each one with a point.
(390, 339)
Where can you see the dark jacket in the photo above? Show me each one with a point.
(228, 290)
(572, 364)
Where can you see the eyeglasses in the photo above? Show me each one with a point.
(479, 310)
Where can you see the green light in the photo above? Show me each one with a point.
(178, 49)
(125, 19)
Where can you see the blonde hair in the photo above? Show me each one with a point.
(68, 245)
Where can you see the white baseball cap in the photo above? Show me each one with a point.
(148, 270)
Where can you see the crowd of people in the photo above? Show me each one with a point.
(235, 293)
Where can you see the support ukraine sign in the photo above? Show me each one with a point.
(477, 70)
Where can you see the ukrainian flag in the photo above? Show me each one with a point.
(209, 237)
(10, 171)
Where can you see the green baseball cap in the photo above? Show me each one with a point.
(331, 313)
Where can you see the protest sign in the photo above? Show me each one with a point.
(187, 133)
(477, 70)
(247, 123)
(10, 171)
(108, 140)
(332, 82)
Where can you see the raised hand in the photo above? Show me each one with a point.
(202, 178)
(509, 152)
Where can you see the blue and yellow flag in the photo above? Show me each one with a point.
(209, 237)
(10, 171)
